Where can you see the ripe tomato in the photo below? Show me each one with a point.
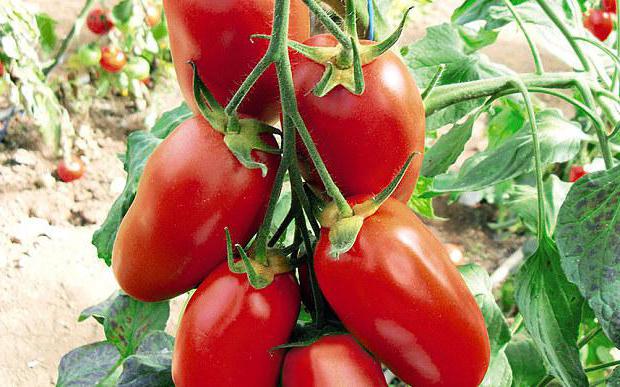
(599, 23)
(1, 69)
(398, 293)
(153, 15)
(609, 6)
(229, 328)
(364, 140)
(331, 361)
(113, 59)
(72, 170)
(576, 173)
(192, 188)
(216, 35)
(99, 22)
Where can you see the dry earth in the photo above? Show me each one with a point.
(48, 268)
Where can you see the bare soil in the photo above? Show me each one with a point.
(49, 271)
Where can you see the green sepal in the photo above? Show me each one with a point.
(247, 139)
(210, 109)
(255, 279)
(234, 267)
(343, 234)
(372, 52)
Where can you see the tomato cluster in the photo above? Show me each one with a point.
(395, 296)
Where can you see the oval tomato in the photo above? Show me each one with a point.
(216, 35)
(331, 361)
(99, 22)
(71, 170)
(191, 189)
(599, 23)
(229, 328)
(398, 293)
(113, 59)
(609, 6)
(363, 140)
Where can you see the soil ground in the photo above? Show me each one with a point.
(48, 268)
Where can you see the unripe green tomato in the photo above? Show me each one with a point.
(89, 55)
(138, 68)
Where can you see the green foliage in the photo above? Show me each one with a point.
(528, 367)
(588, 238)
(47, 28)
(140, 145)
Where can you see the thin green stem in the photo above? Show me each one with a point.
(249, 82)
(588, 337)
(567, 34)
(538, 64)
(517, 324)
(288, 219)
(546, 380)
(586, 93)
(589, 112)
(433, 82)
(603, 366)
(327, 21)
(77, 26)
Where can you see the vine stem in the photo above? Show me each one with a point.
(588, 337)
(77, 26)
(327, 21)
(538, 64)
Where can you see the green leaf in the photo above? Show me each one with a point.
(140, 145)
(588, 236)
(424, 58)
(559, 142)
(87, 365)
(420, 204)
(151, 365)
(448, 148)
(506, 118)
(100, 311)
(614, 378)
(551, 308)
(123, 11)
(527, 364)
(129, 321)
(479, 283)
(47, 30)
(523, 201)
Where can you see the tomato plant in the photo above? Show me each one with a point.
(336, 360)
(71, 170)
(99, 22)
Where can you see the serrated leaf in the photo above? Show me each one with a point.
(560, 141)
(527, 364)
(87, 365)
(523, 201)
(479, 283)
(551, 308)
(424, 58)
(588, 236)
(140, 145)
(151, 365)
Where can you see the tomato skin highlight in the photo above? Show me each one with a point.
(364, 140)
(229, 328)
(71, 171)
(610, 6)
(113, 59)
(332, 361)
(216, 35)
(99, 22)
(191, 189)
(400, 295)
(599, 23)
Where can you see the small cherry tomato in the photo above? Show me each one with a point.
(599, 23)
(71, 170)
(229, 329)
(576, 173)
(138, 68)
(331, 361)
(89, 55)
(609, 6)
(153, 15)
(1, 69)
(99, 21)
(113, 59)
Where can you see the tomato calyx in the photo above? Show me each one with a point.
(259, 275)
(343, 230)
(241, 135)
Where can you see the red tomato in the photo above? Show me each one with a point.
(72, 170)
(576, 173)
(99, 22)
(192, 188)
(153, 15)
(398, 292)
(113, 59)
(1, 69)
(609, 6)
(330, 362)
(364, 140)
(229, 328)
(599, 23)
(216, 35)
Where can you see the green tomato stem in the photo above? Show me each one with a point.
(603, 140)
(247, 84)
(588, 337)
(327, 21)
(535, 53)
(603, 366)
